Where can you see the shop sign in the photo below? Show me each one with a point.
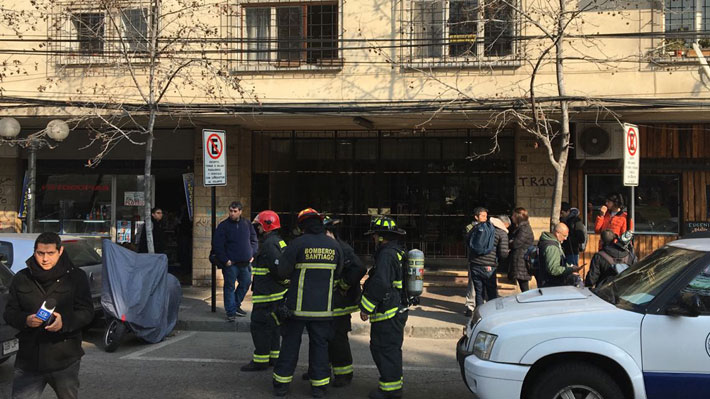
(134, 198)
(123, 231)
(695, 227)
(214, 153)
(188, 182)
(632, 155)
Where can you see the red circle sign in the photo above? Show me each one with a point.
(214, 146)
(631, 141)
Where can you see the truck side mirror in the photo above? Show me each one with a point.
(686, 304)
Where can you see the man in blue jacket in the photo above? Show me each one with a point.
(235, 244)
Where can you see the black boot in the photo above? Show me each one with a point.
(342, 380)
(252, 366)
(280, 389)
(380, 394)
(318, 392)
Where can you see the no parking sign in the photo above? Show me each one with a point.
(214, 146)
(632, 154)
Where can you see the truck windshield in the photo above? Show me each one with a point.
(638, 285)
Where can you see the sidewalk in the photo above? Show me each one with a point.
(440, 314)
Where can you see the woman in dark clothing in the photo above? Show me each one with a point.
(520, 239)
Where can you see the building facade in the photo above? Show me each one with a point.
(357, 109)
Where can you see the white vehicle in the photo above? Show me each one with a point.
(644, 334)
(17, 248)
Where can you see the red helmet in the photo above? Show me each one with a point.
(268, 220)
(308, 213)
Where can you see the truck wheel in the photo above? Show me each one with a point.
(575, 380)
(113, 334)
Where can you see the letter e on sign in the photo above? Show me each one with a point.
(214, 152)
(632, 154)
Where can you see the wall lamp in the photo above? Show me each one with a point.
(366, 123)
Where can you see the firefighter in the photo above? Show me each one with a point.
(382, 304)
(346, 299)
(267, 293)
(313, 263)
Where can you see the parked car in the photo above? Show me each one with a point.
(17, 248)
(644, 334)
(8, 343)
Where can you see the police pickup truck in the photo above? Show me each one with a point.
(644, 335)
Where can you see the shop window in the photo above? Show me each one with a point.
(657, 201)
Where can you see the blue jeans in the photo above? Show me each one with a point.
(30, 384)
(572, 259)
(238, 273)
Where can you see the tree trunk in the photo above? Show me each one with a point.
(148, 184)
(560, 164)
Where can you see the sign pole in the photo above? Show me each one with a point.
(632, 160)
(214, 267)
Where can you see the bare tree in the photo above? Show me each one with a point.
(131, 63)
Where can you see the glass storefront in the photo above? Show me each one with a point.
(90, 204)
(425, 180)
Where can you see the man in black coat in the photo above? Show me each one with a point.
(575, 243)
(50, 351)
(156, 216)
(602, 265)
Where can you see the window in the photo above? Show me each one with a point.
(656, 206)
(89, 32)
(461, 28)
(135, 29)
(291, 34)
(700, 286)
(679, 17)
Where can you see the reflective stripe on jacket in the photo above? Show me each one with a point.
(265, 286)
(382, 292)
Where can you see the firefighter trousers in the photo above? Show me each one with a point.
(386, 338)
(319, 333)
(265, 332)
(341, 358)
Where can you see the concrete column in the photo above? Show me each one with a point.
(238, 188)
(534, 181)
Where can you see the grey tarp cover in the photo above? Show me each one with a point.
(138, 289)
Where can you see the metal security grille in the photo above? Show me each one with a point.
(98, 34)
(274, 35)
(456, 31)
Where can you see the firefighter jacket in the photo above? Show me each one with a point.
(382, 292)
(347, 287)
(266, 286)
(313, 263)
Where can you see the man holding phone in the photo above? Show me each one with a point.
(554, 271)
(50, 350)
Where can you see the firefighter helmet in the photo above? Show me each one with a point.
(308, 213)
(330, 223)
(384, 224)
(268, 220)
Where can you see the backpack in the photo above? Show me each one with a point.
(532, 259)
(482, 238)
(618, 265)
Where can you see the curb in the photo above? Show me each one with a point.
(357, 329)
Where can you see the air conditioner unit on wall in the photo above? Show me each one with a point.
(599, 140)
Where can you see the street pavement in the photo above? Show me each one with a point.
(204, 364)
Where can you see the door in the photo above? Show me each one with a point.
(676, 349)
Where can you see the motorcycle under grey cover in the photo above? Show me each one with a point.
(139, 288)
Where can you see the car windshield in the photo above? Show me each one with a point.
(638, 285)
(81, 253)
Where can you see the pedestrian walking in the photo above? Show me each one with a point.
(268, 293)
(488, 246)
(577, 240)
(156, 216)
(235, 243)
(382, 304)
(554, 271)
(521, 238)
(480, 215)
(312, 263)
(346, 300)
(50, 349)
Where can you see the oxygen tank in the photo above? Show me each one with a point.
(415, 273)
